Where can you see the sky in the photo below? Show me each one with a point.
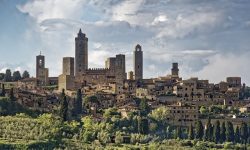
(210, 39)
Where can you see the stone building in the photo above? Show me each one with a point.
(138, 62)
(182, 114)
(67, 79)
(42, 73)
(234, 81)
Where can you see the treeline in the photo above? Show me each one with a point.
(218, 132)
(8, 76)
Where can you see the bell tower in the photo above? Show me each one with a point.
(138, 62)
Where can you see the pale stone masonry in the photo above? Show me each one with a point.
(68, 66)
(66, 79)
(42, 73)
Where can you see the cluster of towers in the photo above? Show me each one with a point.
(75, 70)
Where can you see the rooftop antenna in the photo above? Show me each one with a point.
(40, 52)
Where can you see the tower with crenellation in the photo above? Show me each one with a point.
(81, 54)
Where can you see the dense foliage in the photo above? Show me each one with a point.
(141, 129)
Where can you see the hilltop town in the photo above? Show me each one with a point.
(111, 94)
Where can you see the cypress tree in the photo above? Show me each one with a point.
(199, 130)
(78, 104)
(145, 126)
(3, 91)
(216, 134)
(64, 109)
(244, 132)
(223, 133)
(139, 124)
(229, 132)
(208, 129)
(62, 95)
(237, 135)
(12, 97)
(191, 132)
(178, 133)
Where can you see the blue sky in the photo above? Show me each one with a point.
(209, 39)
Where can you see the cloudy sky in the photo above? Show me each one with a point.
(209, 38)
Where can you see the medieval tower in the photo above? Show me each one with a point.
(40, 64)
(138, 62)
(175, 69)
(68, 66)
(81, 54)
(42, 73)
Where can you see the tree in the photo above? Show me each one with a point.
(118, 137)
(217, 132)
(3, 91)
(223, 133)
(16, 76)
(160, 114)
(25, 74)
(208, 131)
(62, 96)
(12, 97)
(64, 109)
(177, 134)
(78, 103)
(244, 132)
(237, 135)
(229, 132)
(7, 77)
(2, 76)
(199, 130)
(143, 125)
(104, 137)
(191, 132)
(204, 110)
(144, 108)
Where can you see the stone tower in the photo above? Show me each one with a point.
(120, 68)
(66, 79)
(175, 69)
(42, 73)
(40, 64)
(138, 63)
(68, 66)
(81, 54)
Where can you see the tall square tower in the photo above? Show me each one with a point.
(81, 54)
(68, 66)
(138, 62)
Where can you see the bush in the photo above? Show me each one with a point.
(228, 145)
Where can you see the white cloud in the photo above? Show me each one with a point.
(189, 32)
(184, 25)
(127, 11)
(221, 66)
(48, 9)
(159, 19)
